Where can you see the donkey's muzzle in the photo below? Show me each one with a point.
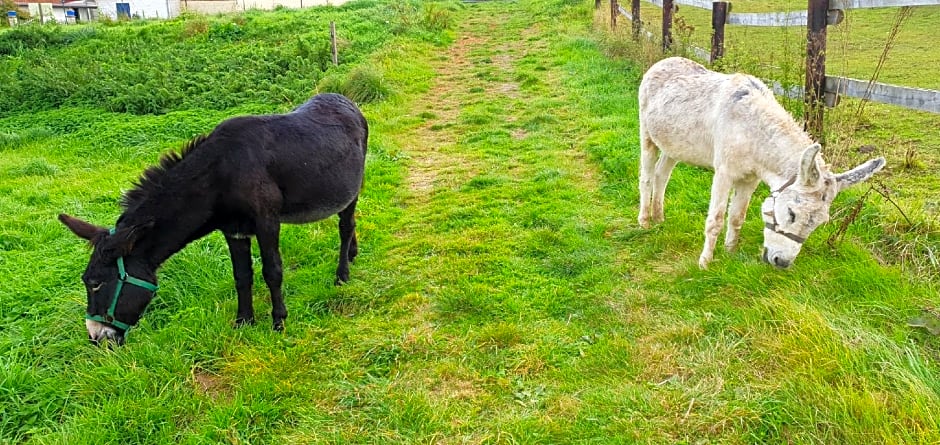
(775, 260)
(104, 334)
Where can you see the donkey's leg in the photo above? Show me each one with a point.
(239, 249)
(648, 152)
(353, 247)
(268, 234)
(721, 187)
(354, 241)
(737, 211)
(347, 238)
(663, 172)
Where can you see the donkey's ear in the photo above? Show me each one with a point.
(83, 229)
(809, 172)
(127, 236)
(860, 173)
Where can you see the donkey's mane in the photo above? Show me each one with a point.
(152, 178)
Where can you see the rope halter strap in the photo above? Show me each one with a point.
(123, 278)
(772, 213)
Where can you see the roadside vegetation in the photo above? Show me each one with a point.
(504, 292)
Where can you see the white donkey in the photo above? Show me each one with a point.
(733, 124)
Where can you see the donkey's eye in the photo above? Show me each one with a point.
(792, 216)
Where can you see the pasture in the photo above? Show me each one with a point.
(503, 293)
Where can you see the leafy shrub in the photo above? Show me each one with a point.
(144, 99)
(24, 38)
(225, 32)
(319, 52)
(197, 26)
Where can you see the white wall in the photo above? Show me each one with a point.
(142, 8)
(216, 6)
(210, 6)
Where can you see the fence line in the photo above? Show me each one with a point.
(862, 4)
(819, 89)
(794, 18)
(914, 98)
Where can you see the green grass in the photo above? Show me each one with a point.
(504, 292)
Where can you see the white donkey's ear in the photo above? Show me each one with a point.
(860, 173)
(809, 172)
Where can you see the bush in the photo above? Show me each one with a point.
(24, 38)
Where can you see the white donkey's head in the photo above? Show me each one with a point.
(793, 211)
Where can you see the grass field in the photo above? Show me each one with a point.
(504, 292)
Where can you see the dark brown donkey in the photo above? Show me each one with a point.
(245, 178)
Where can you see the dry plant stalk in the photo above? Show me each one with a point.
(903, 14)
(844, 226)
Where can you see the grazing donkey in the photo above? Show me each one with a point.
(245, 178)
(732, 124)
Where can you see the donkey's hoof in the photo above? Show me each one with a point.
(279, 325)
(244, 321)
(340, 280)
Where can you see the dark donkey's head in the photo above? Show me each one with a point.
(119, 284)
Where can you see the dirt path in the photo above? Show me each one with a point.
(437, 159)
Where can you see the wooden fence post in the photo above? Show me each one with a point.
(815, 88)
(333, 43)
(668, 9)
(613, 13)
(719, 18)
(635, 12)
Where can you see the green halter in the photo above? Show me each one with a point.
(123, 277)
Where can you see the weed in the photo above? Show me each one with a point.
(194, 26)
